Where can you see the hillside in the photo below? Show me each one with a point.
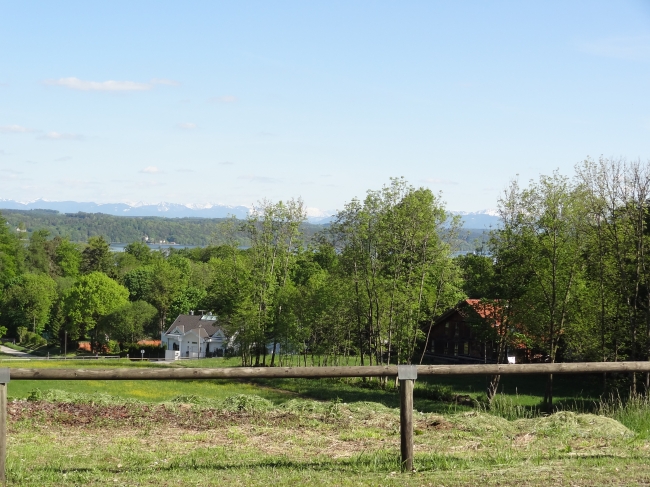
(184, 231)
(80, 226)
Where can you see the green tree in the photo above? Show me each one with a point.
(37, 256)
(11, 254)
(274, 233)
(166, 283)
(92, 297)
(618, 231)
(478, 275)
(544, 234)
(96, 257)
(67, 257)
(140, 251)
(187, 299)
(127, 323)
(138, 282)
(28, 301)
(395, 247)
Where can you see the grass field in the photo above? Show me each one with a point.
(319, 432)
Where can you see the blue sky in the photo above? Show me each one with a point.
(231, 102)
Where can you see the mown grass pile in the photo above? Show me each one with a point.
(61, 437)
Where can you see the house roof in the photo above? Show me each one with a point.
(485, 310)
(202, 325)
(489, 310)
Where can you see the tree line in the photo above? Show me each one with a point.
(567, 269)
(570, 266)
(79, 227)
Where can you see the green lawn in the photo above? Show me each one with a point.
(304, 442)
(319, 432)
(431, 394)
(151, 391)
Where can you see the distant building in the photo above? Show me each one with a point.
(459, 335)
(196, 336)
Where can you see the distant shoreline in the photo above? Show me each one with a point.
(120, 246)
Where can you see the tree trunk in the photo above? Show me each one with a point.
(548, 395)
(275, 342)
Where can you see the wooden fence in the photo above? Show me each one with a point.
(406, 375)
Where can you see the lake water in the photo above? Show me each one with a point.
(119, 247)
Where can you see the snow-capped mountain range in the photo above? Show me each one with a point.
(473, 219)
(170, 210)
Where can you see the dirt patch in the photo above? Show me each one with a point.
(106, 416)
(439, 423)
(270, 433)
(523, 439)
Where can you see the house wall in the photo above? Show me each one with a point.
(193, 347)
(454, 337)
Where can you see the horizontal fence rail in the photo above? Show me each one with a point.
(406, 375)
(322, 372)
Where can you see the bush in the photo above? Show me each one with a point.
(150, 351)
(113, 347)
(21, 332)
(30, 340)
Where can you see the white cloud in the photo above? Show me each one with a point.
(61, 136)
(148, 184)
(110, 85)
(11, 173)
(63, 159)
(81, 85)
(439, 181)
(14, 129)
(226, 163)
(151, 170)
(77, 183)
(631, 48)
(224, 99)
(259, 179)
(187, 125)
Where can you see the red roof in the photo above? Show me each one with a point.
(486, 309)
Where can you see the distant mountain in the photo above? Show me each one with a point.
(320, 217)
(169, 210)
(479, 219)
(473, 219)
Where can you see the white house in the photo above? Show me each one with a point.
(196, 336)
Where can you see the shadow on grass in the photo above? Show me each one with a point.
(380, 462)
(440, 394)
(354, 391)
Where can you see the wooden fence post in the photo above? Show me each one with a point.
(4, 380)
(406, 375)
